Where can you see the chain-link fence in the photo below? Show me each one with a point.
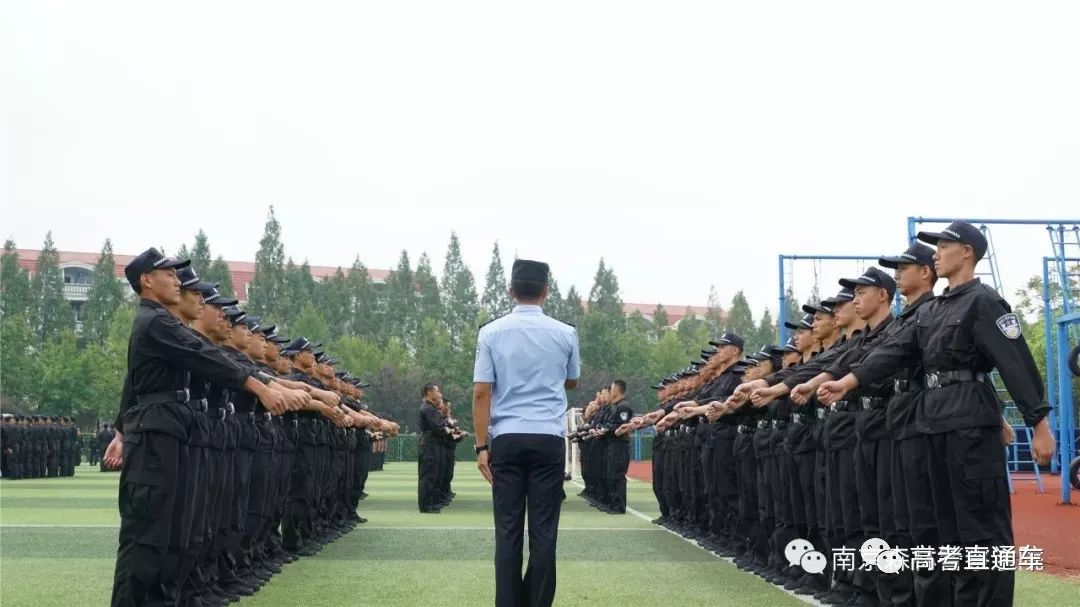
(404, 447)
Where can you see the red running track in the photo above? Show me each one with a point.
(1039, 520)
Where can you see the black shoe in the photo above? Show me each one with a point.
(431, 511)
(836, 597)
(568, 477)
(239, 588)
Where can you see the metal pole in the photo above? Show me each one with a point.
(911, 229)
(1065, 416)
(1051, 371)
(782, 315)
(999, 221)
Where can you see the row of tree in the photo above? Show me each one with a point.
(400, 333)
(412, 328)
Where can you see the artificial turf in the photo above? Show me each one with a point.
(58, 541)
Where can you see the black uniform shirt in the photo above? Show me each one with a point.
(245, 402)
(161, 353)
(430, 419)
(969, 328)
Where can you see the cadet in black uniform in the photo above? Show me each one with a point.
(618, 450)
(433, 430)
(154, 421)
(959, 338)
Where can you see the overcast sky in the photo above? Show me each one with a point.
(686, 143)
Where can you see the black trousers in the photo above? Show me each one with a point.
(971, 504)
(618, 461)
(429, 485)
(528, 476)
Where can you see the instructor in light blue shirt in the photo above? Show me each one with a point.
(525, 362)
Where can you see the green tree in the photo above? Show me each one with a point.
(105, 298)
(402, 301)
(460, 305)
(714, 313)
(333, 303)
(14, 284)
(63, 389)
(219, 273)
(604, 296)
(19, 363)
(365, 302)
(668, 355)
(430, 300)
(310, 324)
(741, 318)
(52, 312)
(200, 254)
(766, 331)
(496, 299)
(660, 322)
(434, 353)
(266, 291)
(106, 367)
(792, 309)
(574, 311)
(299, 291)
(553, 305)
(690, 330)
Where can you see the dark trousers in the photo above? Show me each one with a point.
(972, 507)
(427, 491)
(528, 475)
(618, 464)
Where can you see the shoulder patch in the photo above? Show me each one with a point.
(624, 415)
(1009, 325)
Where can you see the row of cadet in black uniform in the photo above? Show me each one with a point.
(98, 444)
(237, 456)
(604, 447)
(439, 436)
(891, 431)
(38, 446)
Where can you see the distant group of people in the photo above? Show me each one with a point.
(604, 447)
(39, 446)
(98, 444)
(439, 436)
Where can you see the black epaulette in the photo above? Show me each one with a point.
(491, 321)
(567, 323)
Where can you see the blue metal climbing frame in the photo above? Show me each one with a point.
(782, 265)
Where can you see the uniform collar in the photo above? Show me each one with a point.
(911, 307)
(151, 304)
(967, 286)
(528, 309)
(880, 326)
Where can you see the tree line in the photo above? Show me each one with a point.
(415, 327)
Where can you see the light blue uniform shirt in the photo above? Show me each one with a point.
(528, 356)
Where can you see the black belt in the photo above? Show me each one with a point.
(763, 424)
(907, 385)
(939, 379)
(843, 405)
(259, 416)
(216, 413)
(873, 402)
(779, 424)
(744, 429)
(199, 404)
(159, 398)
(801, 417)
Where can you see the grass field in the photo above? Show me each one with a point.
(58, 541)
